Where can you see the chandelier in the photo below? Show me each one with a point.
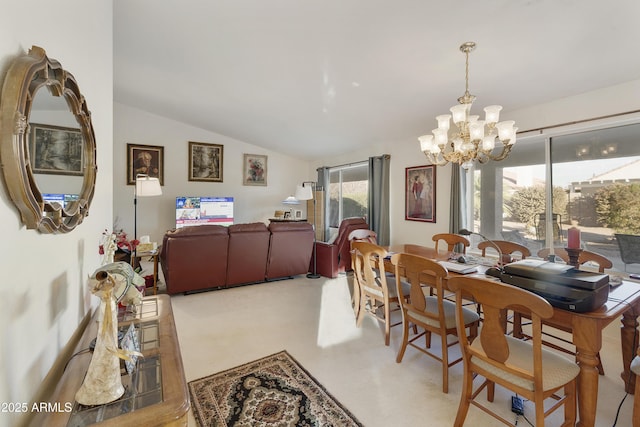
(474, 139)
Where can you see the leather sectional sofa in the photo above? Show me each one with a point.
(213, 256)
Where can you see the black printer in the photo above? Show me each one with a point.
(564, 286)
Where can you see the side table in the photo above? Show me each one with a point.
(136, 256)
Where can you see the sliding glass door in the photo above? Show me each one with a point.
(588, 179)
(348, 192)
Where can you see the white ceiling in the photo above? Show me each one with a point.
(317, 78)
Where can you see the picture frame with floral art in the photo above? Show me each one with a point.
(206, 162)
(145, 160)
(254, 169)
(420, 193)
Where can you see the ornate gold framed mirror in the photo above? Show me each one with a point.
(47, 144)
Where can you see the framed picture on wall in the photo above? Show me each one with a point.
(205, 162)
(56, 150)
(254, 171)
(145, 160)
(420, 193)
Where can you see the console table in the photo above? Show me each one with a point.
(155, 394)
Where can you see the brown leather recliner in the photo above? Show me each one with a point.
(248, 250)
(334, 258)
(289, 250)
(198, 258)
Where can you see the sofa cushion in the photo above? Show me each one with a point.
(248, 250)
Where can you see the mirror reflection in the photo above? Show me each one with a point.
(55, 147)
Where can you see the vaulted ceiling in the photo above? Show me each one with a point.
(318, 78)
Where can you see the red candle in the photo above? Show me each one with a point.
(573, 238)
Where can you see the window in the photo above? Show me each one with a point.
(588, 179)
(348, 192)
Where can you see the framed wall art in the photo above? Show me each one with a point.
(205, 162)
(254, 171)
(146, 160)
(420, 193)
(56, 150)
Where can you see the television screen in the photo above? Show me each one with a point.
(62, 199)
(203, 210)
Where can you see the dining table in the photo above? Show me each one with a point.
(586, 329)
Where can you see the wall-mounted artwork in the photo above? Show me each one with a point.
(205, 162)
(254, 171)
(420, 193)
(56, 150)
(145, 160)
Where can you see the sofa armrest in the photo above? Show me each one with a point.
(327, 260)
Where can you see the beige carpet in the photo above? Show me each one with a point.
(272, 391)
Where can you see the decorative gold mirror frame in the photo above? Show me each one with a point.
(25, 76)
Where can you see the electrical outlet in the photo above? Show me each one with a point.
(517, 405)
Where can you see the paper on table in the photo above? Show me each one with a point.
(457, 267)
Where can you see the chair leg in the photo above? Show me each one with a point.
(427, 339)
(517, 325)
(405, 340)
(445, 364)
(570, 414)
(465, 397)
(387, 325)
(355, 300)
(362, 310)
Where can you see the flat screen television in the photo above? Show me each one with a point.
(203, 210)
(62, 199)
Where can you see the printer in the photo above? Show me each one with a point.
(562, 285)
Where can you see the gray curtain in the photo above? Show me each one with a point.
(323, 184)
(457, 208)
(379, 197)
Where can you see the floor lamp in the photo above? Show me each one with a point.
(306, 191)
(146, 186)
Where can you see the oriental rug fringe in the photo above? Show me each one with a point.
(272, 391)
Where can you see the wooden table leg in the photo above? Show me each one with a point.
(629, 339)
(587, 337)
(155, 274)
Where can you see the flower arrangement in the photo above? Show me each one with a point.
(122, 241)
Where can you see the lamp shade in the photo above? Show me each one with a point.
(147, 186)
(303, 192)
(291, 201)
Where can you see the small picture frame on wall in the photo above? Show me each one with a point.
(420, 193)
(145, 160)
(205, 162)
(254, 169)
(56, 150)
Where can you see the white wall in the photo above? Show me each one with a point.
(157, 214)
(606, 101)
(43, 277)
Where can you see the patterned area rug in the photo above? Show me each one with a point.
(272, 391)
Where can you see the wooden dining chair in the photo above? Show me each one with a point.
(523, 367)
(452, 240)
(433, 314)
(377, 288)
(365, 235)
(506, 248)
(585, 256)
